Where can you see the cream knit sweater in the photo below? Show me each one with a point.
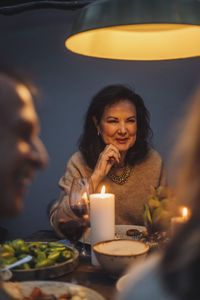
(129, 197)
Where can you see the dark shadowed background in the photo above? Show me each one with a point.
(33, 42)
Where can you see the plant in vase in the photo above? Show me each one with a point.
(157, 212)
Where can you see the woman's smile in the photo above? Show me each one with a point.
(118, 125)
(121, 140)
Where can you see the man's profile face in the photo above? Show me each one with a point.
(21, 150)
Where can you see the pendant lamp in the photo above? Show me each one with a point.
(137, 29)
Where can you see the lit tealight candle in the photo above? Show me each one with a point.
(177, 222)
(185, 213)
(102, 218)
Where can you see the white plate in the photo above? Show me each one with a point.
(120, 232)
(58, 288)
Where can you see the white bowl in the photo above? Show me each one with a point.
(116, 255)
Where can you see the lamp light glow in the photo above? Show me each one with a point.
(137, 30)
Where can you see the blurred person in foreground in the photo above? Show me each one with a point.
(21, 151)
(115, 151)
(175, 273)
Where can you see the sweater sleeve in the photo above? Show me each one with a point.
(75, 167)
(163, 176)
(157, 165)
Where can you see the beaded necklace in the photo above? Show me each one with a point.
(122, 178)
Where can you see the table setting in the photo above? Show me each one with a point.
(94, 254)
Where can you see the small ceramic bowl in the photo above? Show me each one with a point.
(116, 255)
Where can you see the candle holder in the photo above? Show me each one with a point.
(178, 221)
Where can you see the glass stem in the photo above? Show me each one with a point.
(83, 250)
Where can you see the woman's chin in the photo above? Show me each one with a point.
(123, 149)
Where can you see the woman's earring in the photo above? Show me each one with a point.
(98, 133)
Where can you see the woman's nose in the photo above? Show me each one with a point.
(39, 154)
(122, 128)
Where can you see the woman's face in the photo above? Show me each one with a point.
(118, 125)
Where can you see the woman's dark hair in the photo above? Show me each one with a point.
(91, 145)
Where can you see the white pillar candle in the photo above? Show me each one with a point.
(102, 219)
(177, 222)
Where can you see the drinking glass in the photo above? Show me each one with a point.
(79, 203)
(75, 211)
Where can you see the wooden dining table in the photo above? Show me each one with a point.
(85, 273)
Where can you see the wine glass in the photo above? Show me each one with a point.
(79, 203)
(75, 208)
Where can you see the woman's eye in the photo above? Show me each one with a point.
(132, 120)
(112, 121)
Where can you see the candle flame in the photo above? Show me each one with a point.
(185, 212)
(103, 190)
(84, 196)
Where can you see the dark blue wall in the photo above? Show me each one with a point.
(33, 42)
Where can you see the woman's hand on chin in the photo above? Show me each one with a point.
(107, 158)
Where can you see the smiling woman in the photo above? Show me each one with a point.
(114, 150)
(118, 126)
